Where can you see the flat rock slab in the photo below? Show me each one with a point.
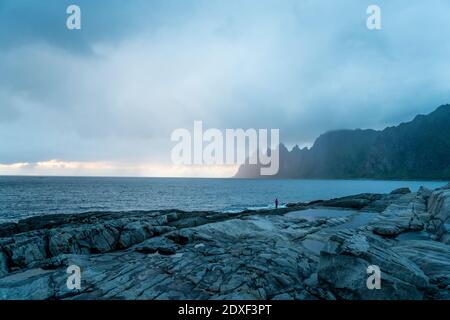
(319, 250)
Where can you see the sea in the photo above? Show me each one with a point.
(22, 197)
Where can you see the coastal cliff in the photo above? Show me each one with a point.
(316, 250)
(419, 149)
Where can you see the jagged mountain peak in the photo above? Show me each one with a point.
(418, 149)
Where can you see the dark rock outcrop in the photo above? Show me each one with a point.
(316, 250)
(439, 208)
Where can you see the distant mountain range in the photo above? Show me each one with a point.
(419, 149)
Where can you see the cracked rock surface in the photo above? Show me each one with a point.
(317, 250)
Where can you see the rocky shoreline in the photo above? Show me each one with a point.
(316, 250)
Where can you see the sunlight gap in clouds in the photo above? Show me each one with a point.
(74, 168)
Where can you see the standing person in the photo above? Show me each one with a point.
(276, 203)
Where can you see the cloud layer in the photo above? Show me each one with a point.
(114, 91)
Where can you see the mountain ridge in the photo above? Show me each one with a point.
(418, 149)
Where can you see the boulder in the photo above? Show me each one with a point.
(99, 238)
(407, 213)
(388, 230)
(401, 191)
(25, 251)
(346, 257)
(424, 192)
(181, 237)
(160, 245)
(134, 233)
(439, 211)
(62, 242)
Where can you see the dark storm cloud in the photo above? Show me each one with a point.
(25, 21)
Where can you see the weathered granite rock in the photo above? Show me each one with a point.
(32, 284)
(3, 264)
(99, 238)
(24, 251)
(401, 191)
(365, 201)
(90, 233)
(353, 202)
(407, 213)
(439, 210)
(161, 245)
(265, 254)
(135, 232)
(344, 262)
(434, 259)
(424, 192)
(256, 257)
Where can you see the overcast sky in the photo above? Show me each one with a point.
(104, 100)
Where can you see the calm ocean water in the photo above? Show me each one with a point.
(22, 197)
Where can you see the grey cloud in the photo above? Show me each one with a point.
(302, 66)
